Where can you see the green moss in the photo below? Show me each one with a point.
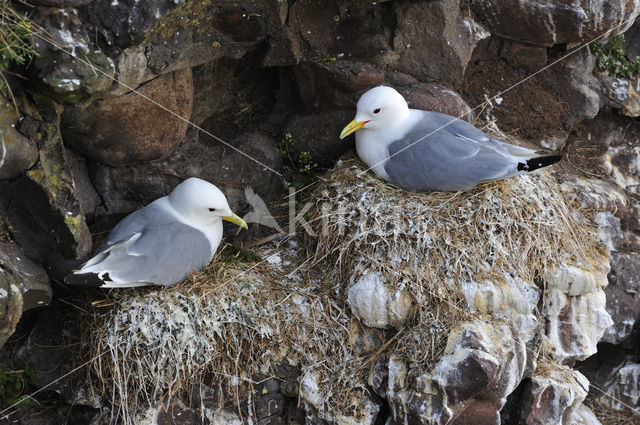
(72, 222)
(195, 16)
(12, 386)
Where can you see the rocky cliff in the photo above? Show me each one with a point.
(512, 303)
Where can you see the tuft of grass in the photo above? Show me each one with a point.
(16, 47)
(613, 60)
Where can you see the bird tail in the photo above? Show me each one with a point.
(538, 161)
(83, 279)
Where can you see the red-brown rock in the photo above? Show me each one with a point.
(129, 129)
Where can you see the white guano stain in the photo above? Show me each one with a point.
(4, 153)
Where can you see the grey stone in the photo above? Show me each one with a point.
(30, 278)
(60, 3)
(632, 41)
(131, 71)
(334, 30)
(10, 305)
(42, 206)
(543, 110)
(547, 22)
(623, 382)
(631, 107)
(471, 380)
(143, 132)
(334, 85)
(553, 398)
(176, 413)
(125, 189)
(432, 40)
(47, 351)
(233, 29)
(596, 194)
(17, 152)
(123, 23)
(580, 90)
(623, 296)
(615, 91)
(81, 70)
(284, 49)
(85, 193)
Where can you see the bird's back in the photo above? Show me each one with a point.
(440, 152)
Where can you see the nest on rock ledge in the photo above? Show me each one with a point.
(236, 321)
(432, 244)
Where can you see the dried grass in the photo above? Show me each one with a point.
(235, 322)
(429, 243)
(609, 416)
(238, 321)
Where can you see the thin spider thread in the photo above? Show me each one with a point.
(632, 409)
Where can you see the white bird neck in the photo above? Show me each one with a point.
(372, 145)
(213, 230)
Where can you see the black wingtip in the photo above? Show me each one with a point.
(538, 162)
(84, 279)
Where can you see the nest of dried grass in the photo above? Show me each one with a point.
(233, 321)
(238, 321)
(430, 243)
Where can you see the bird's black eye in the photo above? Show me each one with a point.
(212, 209)
(377, 110)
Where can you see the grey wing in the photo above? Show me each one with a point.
(443, 153)
(150, 246)
(163, 255)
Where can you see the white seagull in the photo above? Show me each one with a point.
(423, 150)
(163, 242)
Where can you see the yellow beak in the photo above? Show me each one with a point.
(233, 218)
(351, 127)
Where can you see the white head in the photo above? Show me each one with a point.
(202, 203)
(379, 108)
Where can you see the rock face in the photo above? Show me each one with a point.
(416, 43)
(623, 301)
(472, 379)
(10, 305)
(551, 400)
(575, 310)
(17, 153)
(568, 88)
(143, 132)
(82, 70)
(457, 314)
(41, 205)
(30, 278)
(546, 22)
(509, 298)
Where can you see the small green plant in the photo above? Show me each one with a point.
(12, 386)
(15, 42)
(328, 58)
(302, 163)
(612, 58)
